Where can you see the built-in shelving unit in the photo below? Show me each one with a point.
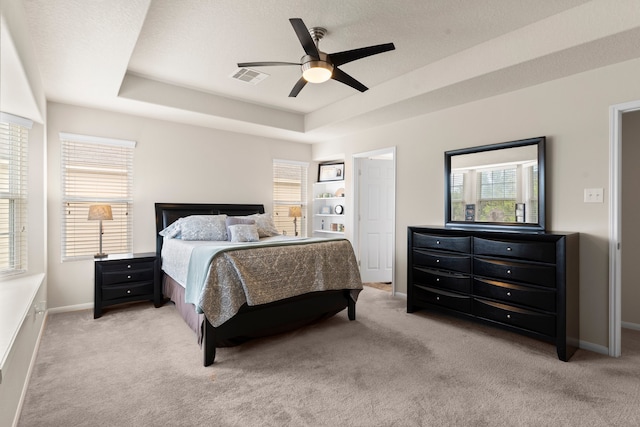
(328, 209)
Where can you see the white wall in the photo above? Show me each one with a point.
(172, 163)
(630, 211)
(571, 112)
(15, 371)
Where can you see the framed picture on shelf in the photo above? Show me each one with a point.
(331, 172)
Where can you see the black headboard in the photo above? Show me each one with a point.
(168, 213)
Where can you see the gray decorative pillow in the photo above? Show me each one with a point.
(265, 224)
(244, 233)
(173, 230)
(204, 227)
(233, 220)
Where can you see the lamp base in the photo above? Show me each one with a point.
(101, 255)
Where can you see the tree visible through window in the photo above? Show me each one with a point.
(290, 193)
(497, 201)
(96, 171)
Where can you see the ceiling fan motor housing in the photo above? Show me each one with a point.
(316, 70)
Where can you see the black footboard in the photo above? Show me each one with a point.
(274, 318)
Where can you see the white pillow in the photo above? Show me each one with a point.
(198, 227)
(265, 224)
(244, 233)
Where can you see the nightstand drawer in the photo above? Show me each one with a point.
(124, 291)
(134, 275)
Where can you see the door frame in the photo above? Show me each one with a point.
(356, 158)
(615, 223)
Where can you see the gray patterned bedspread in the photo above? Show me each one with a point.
(260, 275)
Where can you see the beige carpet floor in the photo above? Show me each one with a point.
(140, 366)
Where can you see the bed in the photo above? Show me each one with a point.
(259, 309)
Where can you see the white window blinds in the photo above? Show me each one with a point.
(290, 190)
(96, 171)
(14, 132)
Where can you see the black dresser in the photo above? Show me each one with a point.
(524, 282)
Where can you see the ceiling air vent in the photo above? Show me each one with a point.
(248, 75)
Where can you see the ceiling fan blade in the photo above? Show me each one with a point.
(265, 64)
(298, 87)
(340, 58)
(305, 38)
(345, 78)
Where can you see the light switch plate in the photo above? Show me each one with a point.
(593, 195)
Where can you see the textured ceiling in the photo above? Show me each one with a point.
(173, 59)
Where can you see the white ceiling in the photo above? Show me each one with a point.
(173, 59)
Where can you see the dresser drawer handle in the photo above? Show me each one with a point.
(437, 279)
(509, 249)
(508, 271)
(508, 316)
(128, 265)
(437, 298)
(129, 277)
(437, 242)
(437, 260)
(508, 294)
(128, 291)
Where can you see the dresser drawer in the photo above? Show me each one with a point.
(444, 243)
(542, 299)
(544, 275)
(532, 251)
(439, 279)
(124, 291)
(442, 261)
(450, 300)
(127, 276)
(537, 322)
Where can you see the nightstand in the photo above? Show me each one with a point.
(121, 278)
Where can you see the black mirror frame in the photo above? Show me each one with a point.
(504, 226)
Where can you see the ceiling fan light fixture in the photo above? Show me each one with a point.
(317, 71)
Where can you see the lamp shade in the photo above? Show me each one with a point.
(295, 211)
(102, 212)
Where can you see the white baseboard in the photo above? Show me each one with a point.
(629, 325)
(67, 308)
(596, 348)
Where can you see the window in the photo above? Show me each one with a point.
(497, 189)
(96, 170)
(290, 190)
(14, 133)
(457, 196)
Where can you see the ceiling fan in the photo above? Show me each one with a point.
(317, 66)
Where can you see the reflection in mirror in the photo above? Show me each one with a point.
(497, 184)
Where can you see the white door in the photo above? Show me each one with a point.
(376, 208)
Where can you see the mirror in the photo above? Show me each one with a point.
(498, 186)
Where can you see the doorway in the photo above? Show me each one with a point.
(374, 214)
(615, 224)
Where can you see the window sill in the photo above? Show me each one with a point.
(16, 301)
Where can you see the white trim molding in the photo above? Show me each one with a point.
(615, 223)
